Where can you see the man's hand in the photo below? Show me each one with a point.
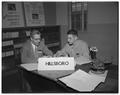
(60, 54)
(57, 54)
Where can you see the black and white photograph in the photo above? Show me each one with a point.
(11, 7)
(56, 47)
(35, 16)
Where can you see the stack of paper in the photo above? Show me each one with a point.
(82, 81)
(30, 66)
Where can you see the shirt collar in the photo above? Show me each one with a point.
(73, 43)
(33, 46)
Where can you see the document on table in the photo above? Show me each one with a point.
(104, 75)
(30, 66)
(82, 81)
(82, 60)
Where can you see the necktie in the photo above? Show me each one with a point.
(36, 52)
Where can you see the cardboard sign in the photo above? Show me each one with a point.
(56, 63)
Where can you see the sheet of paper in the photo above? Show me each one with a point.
(100, 75)
(30, 66)
(82, 60)
(82, 81)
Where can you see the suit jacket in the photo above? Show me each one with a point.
(28, 55)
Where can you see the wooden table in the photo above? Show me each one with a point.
(47, 81)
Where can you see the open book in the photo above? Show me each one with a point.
(82, 81)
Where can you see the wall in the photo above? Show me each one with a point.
(102, 12)
(62, 20)
(50, 13)
(103, 29)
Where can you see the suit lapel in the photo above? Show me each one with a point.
(31, 50)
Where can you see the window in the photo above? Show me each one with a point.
(79, 16)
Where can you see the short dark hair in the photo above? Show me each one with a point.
(73, 32)
(34, 31)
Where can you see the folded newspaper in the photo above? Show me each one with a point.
(82, 81)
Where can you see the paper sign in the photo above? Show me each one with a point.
(34, 13)
(57, 63)
(12, 15)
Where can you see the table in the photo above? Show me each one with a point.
(47, 81)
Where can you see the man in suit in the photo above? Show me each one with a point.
(34, 48)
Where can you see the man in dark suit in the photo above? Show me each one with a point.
(34, 48)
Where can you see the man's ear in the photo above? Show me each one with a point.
(31, 38)
(43, 40)
(76, 37)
